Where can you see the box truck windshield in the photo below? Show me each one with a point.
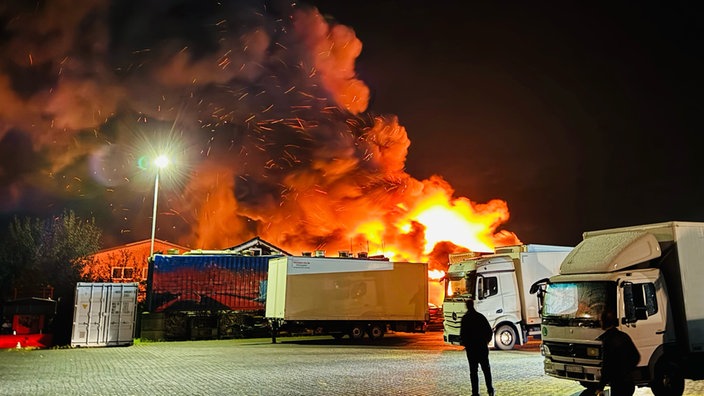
(583, 302)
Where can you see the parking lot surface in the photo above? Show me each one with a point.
(399, 364)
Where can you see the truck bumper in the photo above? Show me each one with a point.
(572, 371)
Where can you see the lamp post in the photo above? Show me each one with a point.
(161, 162)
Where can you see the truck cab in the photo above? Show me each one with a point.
(571, 327)
(651, 277)
(498, 283)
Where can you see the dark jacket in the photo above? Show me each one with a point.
(620, 357)
(475, 332)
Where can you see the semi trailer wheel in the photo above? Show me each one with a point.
(357, 332)
(376, 332)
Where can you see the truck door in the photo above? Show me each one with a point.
(644, 319)
(489, 301)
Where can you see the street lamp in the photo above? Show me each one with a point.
(161, 162)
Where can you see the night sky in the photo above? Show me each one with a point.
(578, 116)
(581, 116)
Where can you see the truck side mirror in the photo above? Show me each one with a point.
(480, 288)
(539, 285)
(540, 288)
(629, 304)
(634, 306)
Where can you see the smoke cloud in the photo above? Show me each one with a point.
(259, 102)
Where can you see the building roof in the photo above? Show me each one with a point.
(159, 245)
(266, 248)
(255, 246)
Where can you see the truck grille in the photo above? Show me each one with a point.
(571, 350)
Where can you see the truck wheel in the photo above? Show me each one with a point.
(376, 332)
(668, 379)
(357, 332)
(505, 337)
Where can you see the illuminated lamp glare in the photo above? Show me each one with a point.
(161, 161)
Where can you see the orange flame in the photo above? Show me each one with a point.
(436, 274)
(436, 217)
(436, 288)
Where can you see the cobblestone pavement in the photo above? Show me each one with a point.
(398, 365)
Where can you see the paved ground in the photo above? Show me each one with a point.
(398, 365)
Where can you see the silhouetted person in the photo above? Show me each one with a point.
(620, 358)
(475, 334)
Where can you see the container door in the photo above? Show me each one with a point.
(104, 314)
(89, 315)
(98, 325)
(121, 314)
(114, 306)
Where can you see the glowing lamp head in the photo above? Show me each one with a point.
(161, 161)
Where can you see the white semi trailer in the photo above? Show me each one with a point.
(652, 276)
(499, 284)
(346, 296)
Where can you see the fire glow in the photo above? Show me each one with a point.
(281, 143)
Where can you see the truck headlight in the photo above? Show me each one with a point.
(544, 350)
(592, 351)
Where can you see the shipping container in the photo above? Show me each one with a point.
(104, 314)
(205, 296)
(207, 283)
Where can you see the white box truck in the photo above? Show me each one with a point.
(346, 296)
(652, 276)
(104, 314)
(499, 284)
